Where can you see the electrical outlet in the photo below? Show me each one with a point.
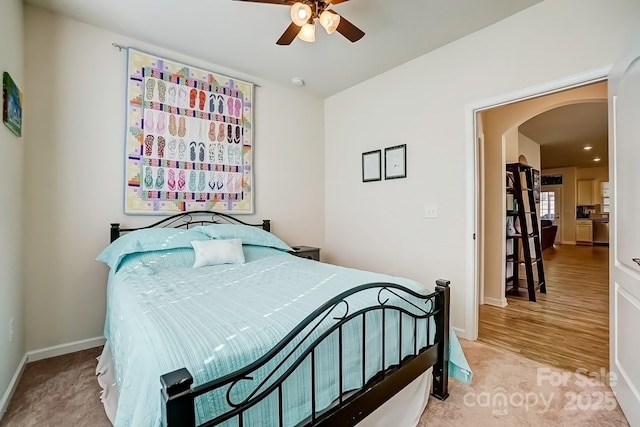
(11, 331)
(431, 210)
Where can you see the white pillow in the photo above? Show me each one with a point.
(214, 252)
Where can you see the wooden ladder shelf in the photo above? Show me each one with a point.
(527, 216)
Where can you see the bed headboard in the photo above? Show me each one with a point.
(188, 219)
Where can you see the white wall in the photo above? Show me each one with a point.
(381, 225)
(11, 190)
(74, 173)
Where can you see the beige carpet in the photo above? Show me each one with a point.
(63, 391)
(497, 374)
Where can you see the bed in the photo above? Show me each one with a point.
(271, 339)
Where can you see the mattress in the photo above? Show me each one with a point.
(163, 315)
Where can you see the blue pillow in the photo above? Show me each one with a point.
(152, 239)
(168, 258)
(248, 234)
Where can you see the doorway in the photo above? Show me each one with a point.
(504, 143)
(551, 209)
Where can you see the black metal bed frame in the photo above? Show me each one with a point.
(187, 220)
(351, 406)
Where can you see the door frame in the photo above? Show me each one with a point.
(558, 190)
(473, 180)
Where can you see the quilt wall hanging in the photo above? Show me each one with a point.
(188, 139)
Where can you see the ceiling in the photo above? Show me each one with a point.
(241, 36)
(564, 132)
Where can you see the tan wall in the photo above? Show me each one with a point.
(499, 123)
(495, 155)
(510, 139)
(12, 195)
(530, 149)
(481, 201)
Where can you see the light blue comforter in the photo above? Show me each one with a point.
(163, 315)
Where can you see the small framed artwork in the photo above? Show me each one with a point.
(372, 166)
(395, 162)
(11, 105)
(551, 179)
(511, 181)
(536, 185)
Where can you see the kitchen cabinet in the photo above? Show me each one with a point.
(585, 192)
(584, 232)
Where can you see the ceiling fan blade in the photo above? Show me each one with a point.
(328, 2)
(289, 35)
(348, 30)
(281, 2)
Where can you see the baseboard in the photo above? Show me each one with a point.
(495, 302)
(460, 333)
(13, 384)
(568, 242)
(62, 349)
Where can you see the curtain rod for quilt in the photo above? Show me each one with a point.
(121, 48)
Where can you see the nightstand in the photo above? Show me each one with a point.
(308, 252)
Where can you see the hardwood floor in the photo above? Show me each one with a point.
(569, 326)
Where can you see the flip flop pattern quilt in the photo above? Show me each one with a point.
(188, 139)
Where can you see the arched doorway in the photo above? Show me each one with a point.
(501, 144)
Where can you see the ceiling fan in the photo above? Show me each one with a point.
(303, 16)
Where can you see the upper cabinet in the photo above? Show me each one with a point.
(586, 196)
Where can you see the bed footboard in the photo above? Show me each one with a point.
(425, 315)
(441, 368)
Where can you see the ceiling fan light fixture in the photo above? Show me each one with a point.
(307, 33)
(300, 13)
(329, 21)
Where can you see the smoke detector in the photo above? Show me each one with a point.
(297, 81)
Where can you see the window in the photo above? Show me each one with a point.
(548, 205)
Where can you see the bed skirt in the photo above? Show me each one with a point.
(403, 409)
(107, 380)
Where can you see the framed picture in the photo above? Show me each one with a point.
(536, 185)
(511, 181)
(372, 166)
(11, 105)
(395, 162)
(552, 179)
